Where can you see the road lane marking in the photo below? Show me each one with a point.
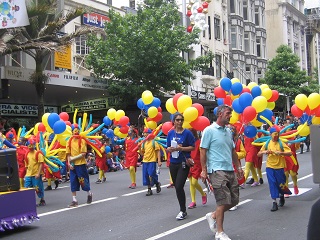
(187, 225)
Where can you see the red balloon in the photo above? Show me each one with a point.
(189, 29)
(274, 96)
(200, 123)
(175, 99)
(219, 92)
(124, 129)
(228, 100)
(41, 127)
(166, 127)
(68, 123)
(317, 111)
(95, 125)
(115, 122)
(297, 112)
(246, 90)
(123, 121)
(309, 112)
(249, 113)
(64, 116)
(199, 107)
(157, 118)
(159, 109)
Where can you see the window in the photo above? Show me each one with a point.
(132, 4)
(253, 43)
(232, 7)
(218, 66)
(2, 61)
(224, 31)
(246, 43)
(217, 34)
(258, 47)
(81, 44)
(109, 2)
(245, 10)
(233, 37)
(16, 59)
(257, 20)
(241, 39)
(209, 28)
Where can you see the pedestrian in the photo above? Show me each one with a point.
(76, 152)
(21, 153)
(150, 150)
(101, 162)
(217, 156)
(180, 143)
(276, 151)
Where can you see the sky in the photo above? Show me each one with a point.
(312, 3)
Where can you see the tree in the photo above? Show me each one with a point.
(40, 39)
(144, 51)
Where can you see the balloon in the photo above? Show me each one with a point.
(259, 103)
(274, 97)
(59, 127)
(108, 149)
(152, 125)
(256, 91)
(317, 112)
(45, 118)
(249, 113)
(236, 106)
(183, 103)
(107, 121)
(301, 101)
(215, 110)
(235, 80)
(256, 123)
(186, 125)
(169, 106)
(68, 123)
(147, 97)
(267, 113)
(124, 129)
(123, 121)
(252, 84)
(159, 109)
(234, 117)
(200, 123)
(152, 112)
(263, 86)
(111, 113)
(120, 113)
(228, 100)
(304, 118)
(52, 119)
(220, 101)
(41, 127)
(104, 131)
(166, 127)
(175, 99)
(140, 104)
(158, 117)
(305, 131)
(219, 92)
(64, 116)
(233, 97)
(245, 89)
(236, 88)
(110, 133)
(190, 114)
(315, 120)
(245, 100)
(313, 100)
(116, 131)
(199, 107)
(297, 112)
(250, 131)
(267, 93)
(62, 139)
(225, 84)
(156, 102)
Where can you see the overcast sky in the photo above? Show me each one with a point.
(312, 3)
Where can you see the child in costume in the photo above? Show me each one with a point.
(101, 162)
(21, 153)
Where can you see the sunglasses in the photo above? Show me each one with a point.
(179, 119)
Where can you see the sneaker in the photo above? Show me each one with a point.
(181, 215)
(48, 188)
(104, 179)
(255, 184)
(56, 182)
(286, 195)
(66, 180)
(222, 236)
(171, 185)
(242, 186)
(282, 201)
(98, 181)
(261, 180)
(212, 222)
(158, 186)
(89, 198)
(133, 186)
(274, 207)
(149, 193)
(192, 205)
(204, 199)
(296, 190)
(250, 181)
(42, 203)
(73, 204)
(233, 208)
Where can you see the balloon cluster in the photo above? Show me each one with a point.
(251, 104)
(151, 106)
(119, 119)
(192, 113)
(196, 11)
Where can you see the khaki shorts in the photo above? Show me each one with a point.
(225, 187)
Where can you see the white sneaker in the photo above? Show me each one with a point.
(233, 208)
(212, 222)
(222, 236)
(181, 215)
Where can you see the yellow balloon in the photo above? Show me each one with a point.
(152, 125)
(263, 86)
(152, 112)
(256, 123)
(234, 80)
(305, 131)
(122, 135)
(111, 113)
(315, 120)
(170, 107)
(183, 103)
(259, 103)
(267, 93)
(190, 114)
(35, 130)
(271, 105)
(116, 131)
(120, 113)
(146, 92)
(313, 100)
(233, 97)
(147, 97)
(252, 84)
(45, 119)
(186, 125)
(301, 101)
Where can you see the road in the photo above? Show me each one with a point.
(118, 212)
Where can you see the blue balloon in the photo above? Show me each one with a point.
(220, 101)
(108, 149)
(107, 121)
(225, 84)
(250, 131)
(52, 119)
(236, 106)
(215, 110)
(140, 104)
(267, 113)
(256, 91)
(304, 118)
(59, 127)
(156, 102)
(245, 100)
(104, 131)
(236, 88)
(110, 133)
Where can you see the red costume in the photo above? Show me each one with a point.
(131, 155)
(289, 162)
(195, 155)
(21, 153)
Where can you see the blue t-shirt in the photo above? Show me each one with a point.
(186, 139)
(219, 144)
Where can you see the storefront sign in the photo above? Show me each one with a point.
(16, 73)
(91, 105)
(95, 19)
(23, 110)
(202, 95)
(62, 59)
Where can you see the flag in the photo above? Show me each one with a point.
(13, 13)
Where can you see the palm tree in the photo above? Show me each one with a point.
(40, 39)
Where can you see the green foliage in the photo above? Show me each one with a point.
(284, 75)
(144, 51)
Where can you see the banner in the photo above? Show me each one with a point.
(13, 13)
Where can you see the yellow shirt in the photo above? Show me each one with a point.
(74, 150)
(275, 161)
(33, 165)
(61, 155)
(150, 151)
(242, 152)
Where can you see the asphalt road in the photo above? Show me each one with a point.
(118, 212)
